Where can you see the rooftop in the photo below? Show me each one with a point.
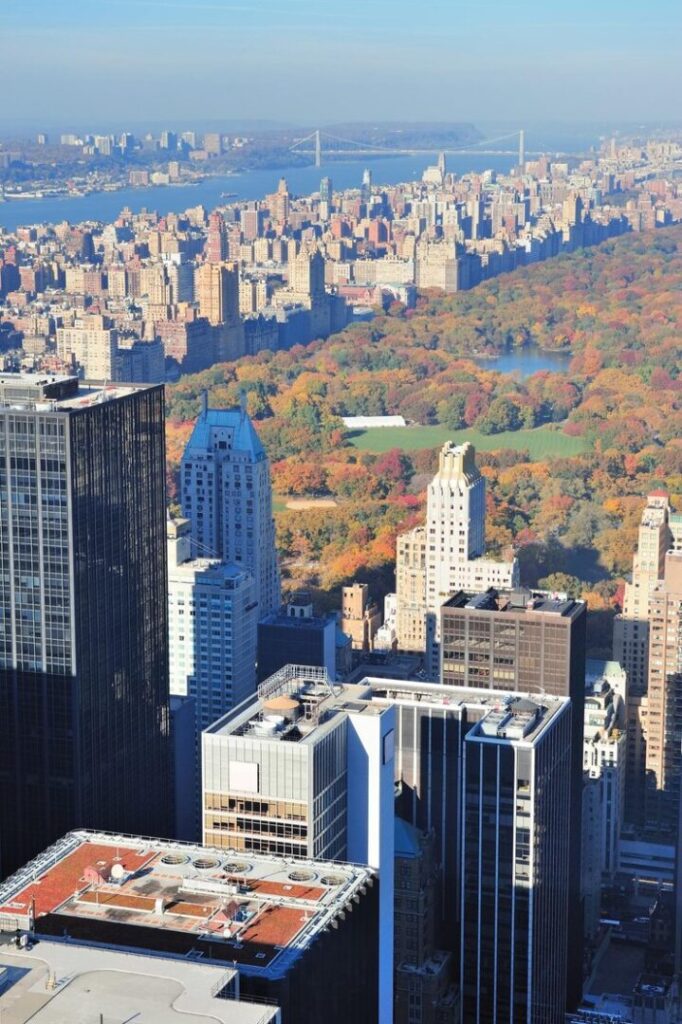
(58, 393)
(297, 701)
(244, 436)
(521, 719)
(255, 912)
(54, 982)
(519, 601)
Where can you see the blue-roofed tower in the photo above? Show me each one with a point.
(227, 495)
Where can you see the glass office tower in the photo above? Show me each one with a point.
(83, 654)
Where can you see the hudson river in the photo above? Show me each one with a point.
(105, 206)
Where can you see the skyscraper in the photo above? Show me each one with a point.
(83, 646)
(515, 864)
(226, 493)
(305, 770)
(447, 554)
(217, 291)
(216, 287)
(631, 641)
(664, 700)
(527, 642)
(213, 611)
(216, 239)
(326, 191)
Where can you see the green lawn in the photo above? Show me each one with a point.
(541, 442)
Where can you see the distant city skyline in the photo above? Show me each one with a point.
(257, 60)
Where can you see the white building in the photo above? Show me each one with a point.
(92, 344)
(385, 636)
(227, 495)
(447, 552)
(212, 619)
(604, 751)
(304, 770)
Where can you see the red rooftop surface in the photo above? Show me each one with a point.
(67, 876)
(175, 898)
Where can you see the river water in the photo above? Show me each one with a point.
(106, 206)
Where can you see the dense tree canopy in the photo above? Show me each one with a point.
(617, 308)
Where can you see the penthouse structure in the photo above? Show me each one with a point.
(296, 935)
(83, 623)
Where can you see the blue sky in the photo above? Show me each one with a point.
(127, 61)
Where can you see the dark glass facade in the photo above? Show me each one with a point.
(83, 661)
(527, 643)
(429, 741)
(515, 868)
(283, 640)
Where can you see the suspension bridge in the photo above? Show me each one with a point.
(312, 145)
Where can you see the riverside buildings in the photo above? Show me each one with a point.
(303, 259)
(83, 631)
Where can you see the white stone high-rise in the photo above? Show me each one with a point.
(446, 555)
(226, 493)
(631, 639)
(212, 620)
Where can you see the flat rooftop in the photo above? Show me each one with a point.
(54, 982)
(298, 700)
(518, 602)
(292, 705)
(58, 392)
(251, 911)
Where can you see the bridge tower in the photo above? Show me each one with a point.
(318, 149)
(522, 149)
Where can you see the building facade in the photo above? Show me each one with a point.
(212, 617)
(226, 493)
(664, 700)
(446, 555)
(515, 864)
(532, 642)
(631, 641)
(83, 635)
(296, 636)
(306, 771)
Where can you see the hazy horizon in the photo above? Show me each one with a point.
(297, 62)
